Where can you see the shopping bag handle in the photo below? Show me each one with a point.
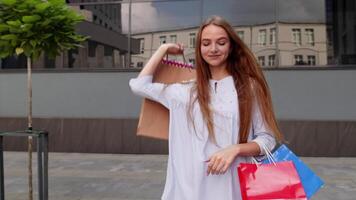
(269, 155)
(183, 64)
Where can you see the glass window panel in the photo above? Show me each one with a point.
(103, 23)
(107, 46)
(241, 12)
(324, 29)
(302, 32)
(160, 16)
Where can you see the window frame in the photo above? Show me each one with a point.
(171, 38)
(272, 60)
(263, 63)
(262, 37)
(142, 45)
(162, 39)
(241, 34)
(312, 61)
(310, 36)
(192, 40)
(297, 36)
(272, 35)
(296, 60)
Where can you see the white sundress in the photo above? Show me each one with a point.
(188, 149)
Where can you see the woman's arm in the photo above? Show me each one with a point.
(156, 58)
(220, 161)
(143, 85)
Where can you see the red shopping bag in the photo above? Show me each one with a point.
(278, 180)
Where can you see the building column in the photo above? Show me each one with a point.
(123, 60)
(116, 59)
(39, 63)
(99, 52)
(60, 60)
(83, 56)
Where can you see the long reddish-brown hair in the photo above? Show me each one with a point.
(250, 84)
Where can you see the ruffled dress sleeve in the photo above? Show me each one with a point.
(159, 92)
(262, 135)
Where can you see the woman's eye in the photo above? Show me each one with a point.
(205, 44)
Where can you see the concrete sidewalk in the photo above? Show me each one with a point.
(75, 176)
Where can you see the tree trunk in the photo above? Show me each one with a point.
(29, 115)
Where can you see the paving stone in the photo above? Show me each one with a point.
(74, 176)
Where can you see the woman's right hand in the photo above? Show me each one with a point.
(172, 48)
(156, 58)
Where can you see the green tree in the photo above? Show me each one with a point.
(31, 27)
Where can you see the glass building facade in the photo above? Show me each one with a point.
(281, 33)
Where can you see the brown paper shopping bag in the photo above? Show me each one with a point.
(154, 117)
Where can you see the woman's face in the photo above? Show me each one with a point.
(215, 46)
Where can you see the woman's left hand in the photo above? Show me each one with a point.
(221, 161)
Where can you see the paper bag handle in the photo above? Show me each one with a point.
(183, 64)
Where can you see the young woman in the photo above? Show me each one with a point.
(217, 121)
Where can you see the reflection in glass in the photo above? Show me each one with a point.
(162, 40)
(241, 35)
(275, 35)
(261, 60)
(192, 40)
(297, 37)
(155, 23)
(311, 60)
(241, 12)
(280, 33)
(272, 34)
(173, 38)
(142, 45)
(262, 37)
(106, 47)
(271, 60)
(341, 23)
(298, 60)
(309, 32)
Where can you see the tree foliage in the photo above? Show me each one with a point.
(33, 26)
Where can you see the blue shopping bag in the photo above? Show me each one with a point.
(310, 181)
